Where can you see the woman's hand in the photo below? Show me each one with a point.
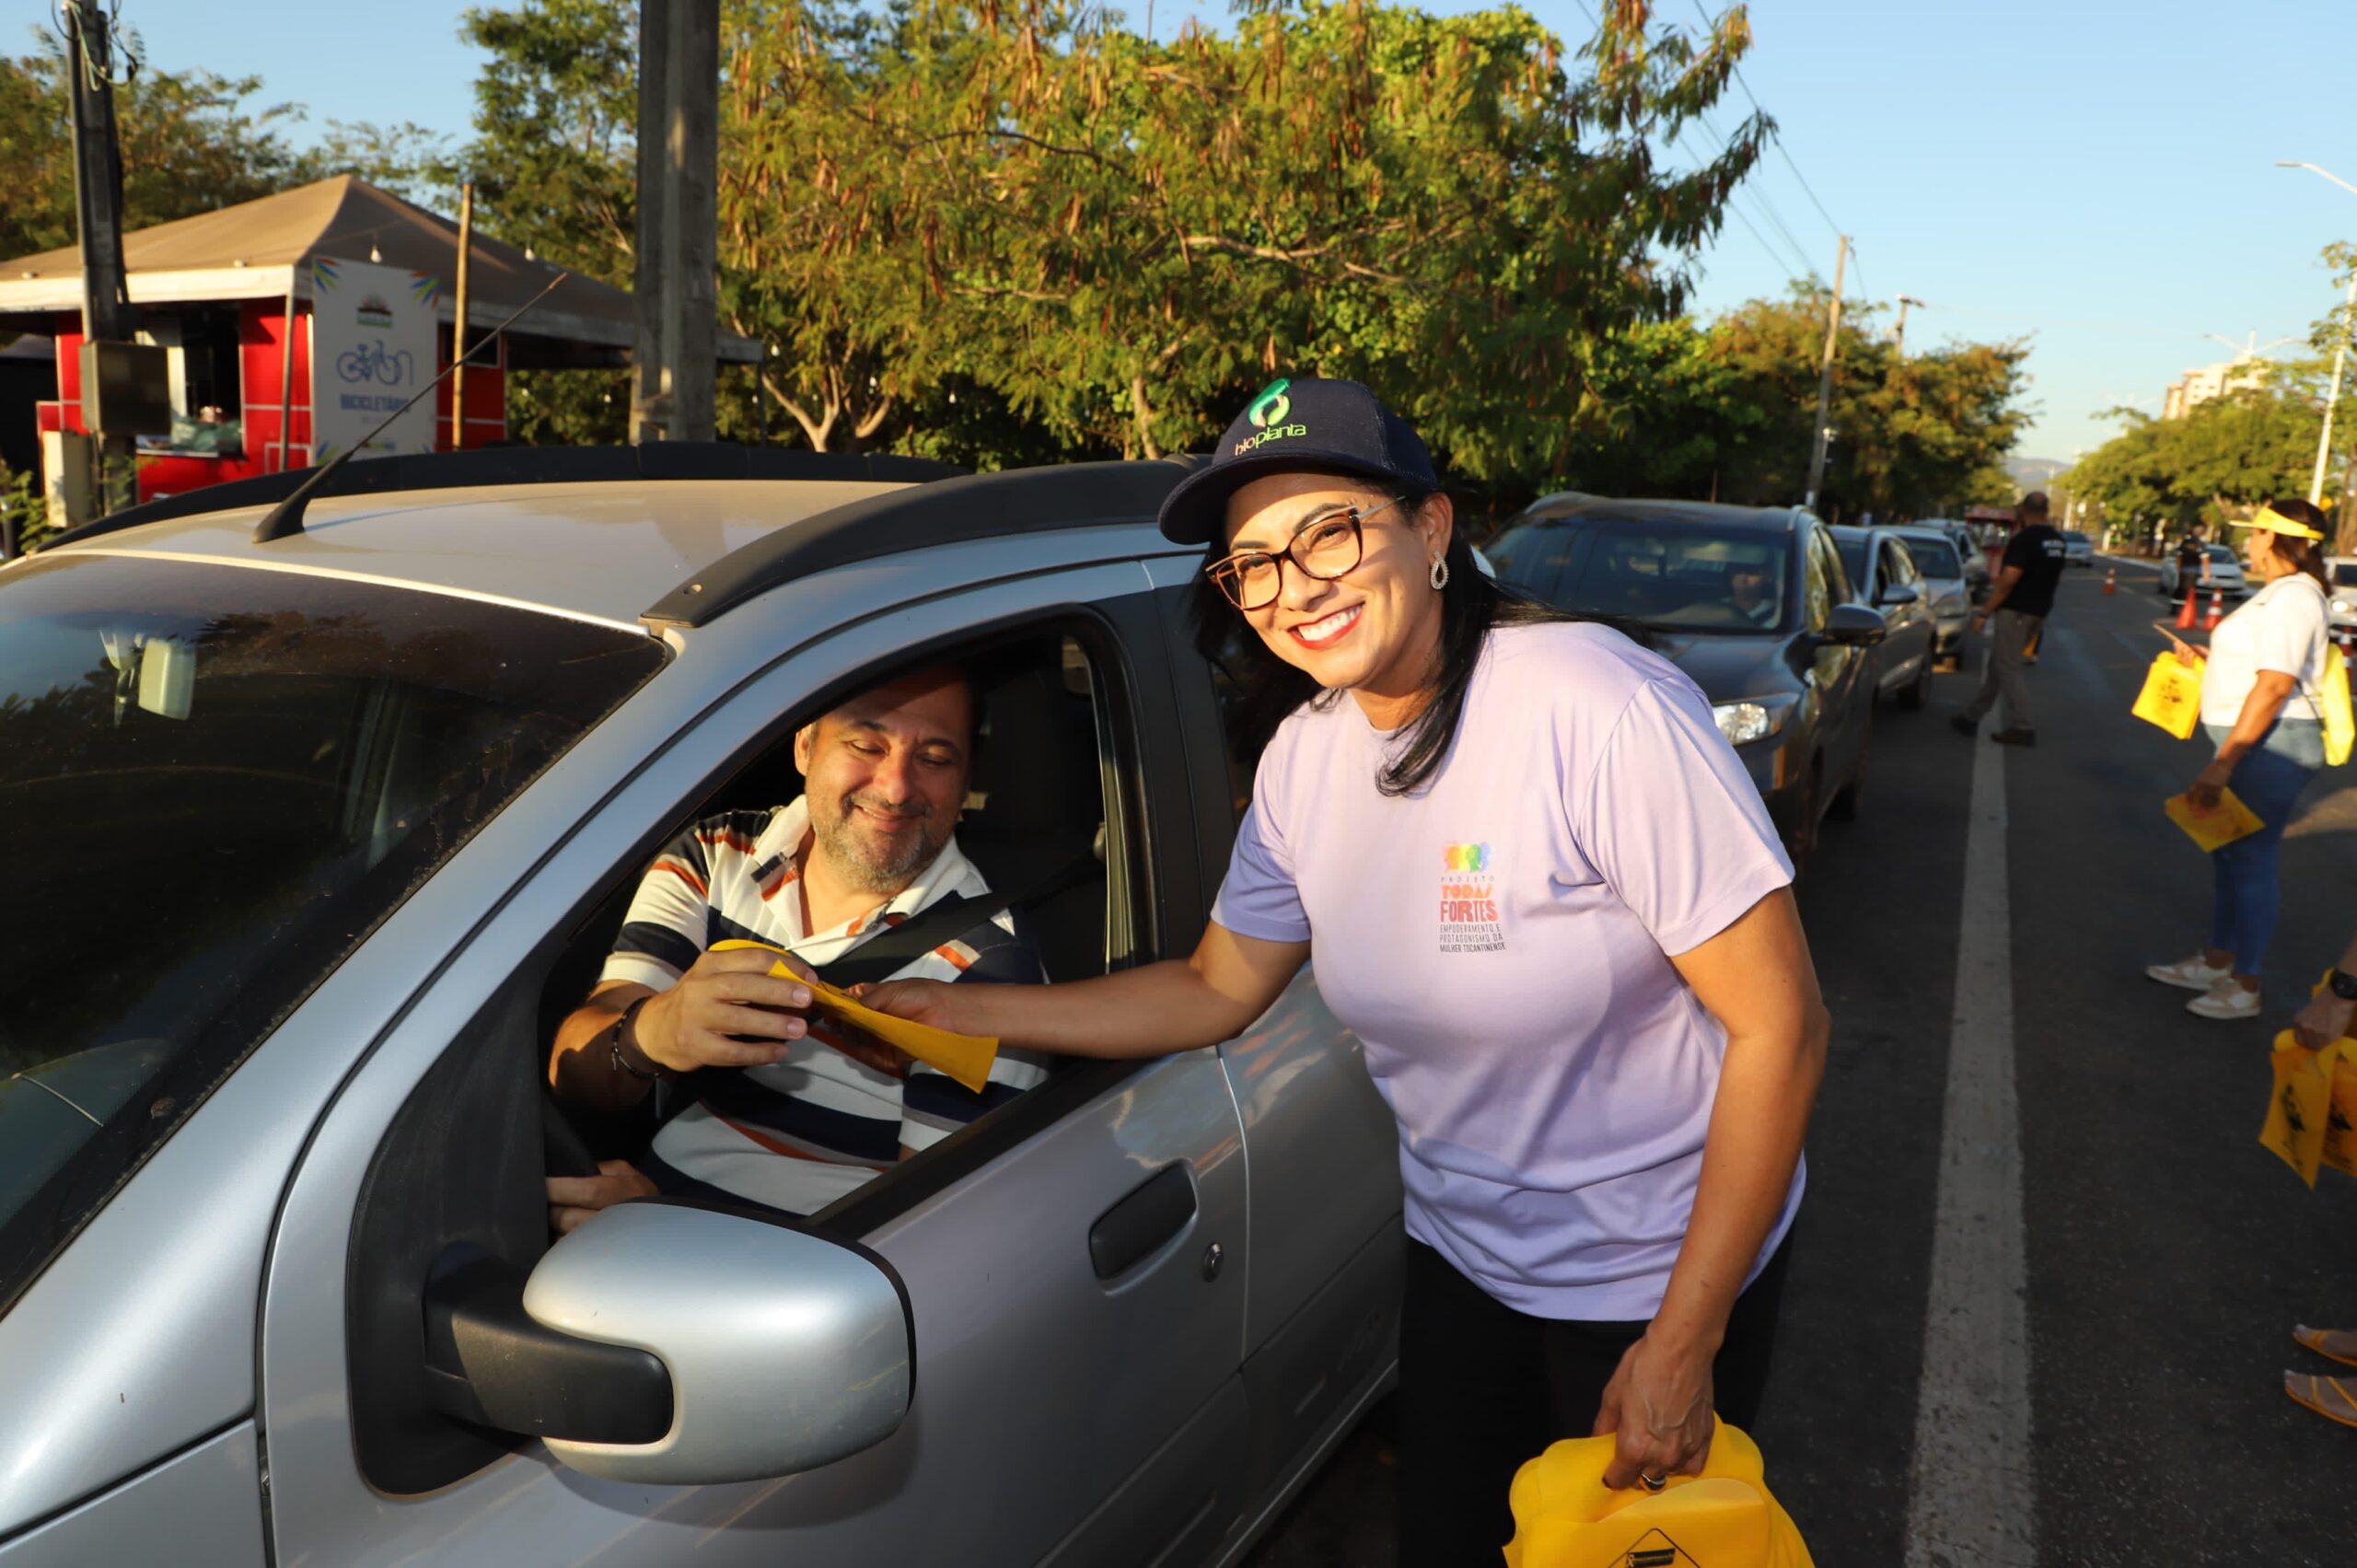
(929, 1002)
(2209, 784)
(1658, 1405)
(2323, 1020)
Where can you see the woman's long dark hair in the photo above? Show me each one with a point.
(2305, 554)
(1267, 689)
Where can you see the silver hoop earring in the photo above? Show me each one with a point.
(1440, 573)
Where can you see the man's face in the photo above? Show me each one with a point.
(886, 776)
(1746, 580)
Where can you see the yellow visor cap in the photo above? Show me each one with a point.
(2276, 522)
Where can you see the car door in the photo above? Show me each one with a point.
(1061, 1412)
(1322, 1307)
(1841, 674)
(1910, 624)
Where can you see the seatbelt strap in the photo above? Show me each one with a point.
(898, 947)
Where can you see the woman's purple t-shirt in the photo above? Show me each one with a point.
(1500, 942)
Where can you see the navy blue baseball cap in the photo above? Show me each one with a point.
(1307, 424)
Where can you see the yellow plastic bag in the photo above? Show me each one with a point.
(2212, 830)
(2339, 724)
(1565, 1517)
(2338, 1148)
(2171, 697)
(2301, 1102)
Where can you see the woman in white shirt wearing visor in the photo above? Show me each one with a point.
(2258, 705)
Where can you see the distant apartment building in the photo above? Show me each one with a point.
(2212, 381)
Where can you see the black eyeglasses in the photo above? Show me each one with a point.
(1325, 547)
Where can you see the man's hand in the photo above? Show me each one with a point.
(2209, 784)
(573, 1199)
(725, 996)
(1658, 1405)
(2323, 1020)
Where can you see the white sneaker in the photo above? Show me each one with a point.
(2227, 999)
(2192, 974)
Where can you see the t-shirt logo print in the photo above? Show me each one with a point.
(1469, 919)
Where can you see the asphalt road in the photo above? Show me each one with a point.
(2165, 1255)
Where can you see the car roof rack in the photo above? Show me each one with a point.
(482, 466)
(949, 511)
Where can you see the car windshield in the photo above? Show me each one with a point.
(1666, 574)
(2345, 574)
(1852, 552)
(216, 782)
(1934, 557)
(2225, 553)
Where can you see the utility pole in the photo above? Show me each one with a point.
(672, 396)
(1825, 378)
(2340, 358)
(107, 316)
(1898, 338)
(459, 332)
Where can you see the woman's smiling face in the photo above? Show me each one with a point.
(1375, 628)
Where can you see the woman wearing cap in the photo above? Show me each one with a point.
(2258, 705)
(1541, 890)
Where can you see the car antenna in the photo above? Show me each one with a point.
(286, 517)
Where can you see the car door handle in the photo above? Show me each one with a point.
(1132, 1229)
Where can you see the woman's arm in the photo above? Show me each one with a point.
(1153, 1010)
(1756, 979)
(2268, 693)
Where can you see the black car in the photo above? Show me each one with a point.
(1751, 602)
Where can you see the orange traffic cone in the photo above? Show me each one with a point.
(2185, 611)
(2217, 610)
(2111, 579)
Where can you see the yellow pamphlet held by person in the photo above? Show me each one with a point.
(2172, 695)
(2231, 820)
(1565, 1517)
(966, 1058)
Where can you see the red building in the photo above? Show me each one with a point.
(219, 292)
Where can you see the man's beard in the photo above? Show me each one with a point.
(877, 868)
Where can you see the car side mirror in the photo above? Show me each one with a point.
(675, 1344)
(1896, 594)
(1854, 625)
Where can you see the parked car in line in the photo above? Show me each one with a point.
(1947, 585)
(272, 1160)
(2341, 574)
(1883, 577)
(2078, 549)
(2225, 572)
(1752, 603)
(1976, 579)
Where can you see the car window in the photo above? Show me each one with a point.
(1674, 575)
(1853, 553)
(215, 782)
(1898, 565)
(1822, 587)
(2225, 553)
(1934, 558)
(2345, 574)
(1532, 557)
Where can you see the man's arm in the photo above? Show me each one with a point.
(2005, 581)
(726, 1011)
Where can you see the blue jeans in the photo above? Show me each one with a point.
(2268, 780)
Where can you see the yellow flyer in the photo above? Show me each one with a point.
(2231, 821)
(966, 1058)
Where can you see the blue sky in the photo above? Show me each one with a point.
(2093, 175)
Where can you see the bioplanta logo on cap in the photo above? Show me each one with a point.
(1267, 414)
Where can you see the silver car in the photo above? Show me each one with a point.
(1947, 586)
(1883, 574)
(2224, 573)
(2342, 572)
(314, 838)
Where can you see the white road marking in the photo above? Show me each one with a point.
(1972, 1501)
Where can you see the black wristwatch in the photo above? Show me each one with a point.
(2343, 985)
(621, 1063)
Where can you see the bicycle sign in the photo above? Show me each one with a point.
(372, 362)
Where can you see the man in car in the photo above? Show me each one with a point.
(787, 1111)
(1747, 592)
(2016, 613)
(2192, 561)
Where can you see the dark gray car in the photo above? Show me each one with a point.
(1753, 603)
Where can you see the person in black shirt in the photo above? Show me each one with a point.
(2016, 612)
(2192, 560)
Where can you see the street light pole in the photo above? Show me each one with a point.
(1898, 338)
(2339, 355)
(1825, 378)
